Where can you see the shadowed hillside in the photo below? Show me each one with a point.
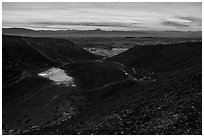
(26, 51)
(153, 89)
(162, 58)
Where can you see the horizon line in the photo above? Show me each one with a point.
(96, 30)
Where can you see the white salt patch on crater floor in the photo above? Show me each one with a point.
(58, 76)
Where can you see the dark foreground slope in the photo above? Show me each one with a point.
(142, 91)
(34, 101)
(165, 107)
(169, 104)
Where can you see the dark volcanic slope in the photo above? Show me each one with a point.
(41, 51)
(145, 90)
(162, 58)
(172, 104)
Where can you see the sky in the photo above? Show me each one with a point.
(124, 16)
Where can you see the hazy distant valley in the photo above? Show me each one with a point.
(110, 43)
(109, 47)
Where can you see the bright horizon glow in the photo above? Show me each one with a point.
(125, 16)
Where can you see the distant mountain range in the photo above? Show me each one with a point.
(99, 33)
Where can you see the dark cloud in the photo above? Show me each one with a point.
(191, 19)
(174, 24)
